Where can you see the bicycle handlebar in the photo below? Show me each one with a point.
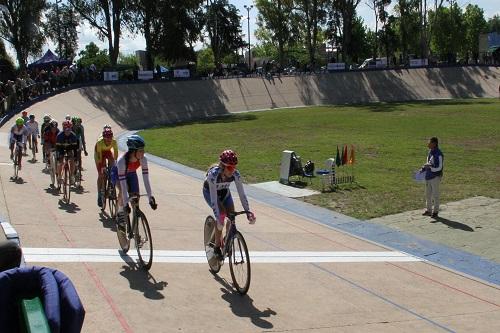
(232, 215)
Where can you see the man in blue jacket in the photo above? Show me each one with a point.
(433, 174)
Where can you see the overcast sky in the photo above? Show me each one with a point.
(129, 44)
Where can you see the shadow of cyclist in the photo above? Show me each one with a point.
(71, 208)
(142, 280)
(243, 306)
(107, 221)
(452, 224)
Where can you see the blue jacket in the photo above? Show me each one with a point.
(436, 159)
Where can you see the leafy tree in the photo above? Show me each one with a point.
(205, 61)
(61, 27)
(128, 59)
(7, 68)
(20, 25)
(344, 14)
(222, 23)
(494, 24)
(312, 14)
(276, 18)
(447, 35)
(92, 55)
(107, 17)
(475, 24)
(363, 41)
(409, 27)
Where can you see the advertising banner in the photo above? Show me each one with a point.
(110, 76)
(145, 75)
(418, 62)
(182, 73)
(335, 66)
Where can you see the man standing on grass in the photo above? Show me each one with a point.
(433, 174)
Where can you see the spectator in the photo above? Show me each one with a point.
(433, 174)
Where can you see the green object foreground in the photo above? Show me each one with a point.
(35, 320)
(390, 141)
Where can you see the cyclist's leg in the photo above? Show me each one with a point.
(35, 142)
(12, 142)
(100, 171)
(59, 161)
(228, 204)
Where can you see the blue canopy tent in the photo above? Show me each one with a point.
(49, 59)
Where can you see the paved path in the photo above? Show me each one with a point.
(410, 296)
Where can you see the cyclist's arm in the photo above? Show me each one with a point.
(212, 186)
(241, 191)
(122, 178)
(115, 149)
(97, 153)
(145, 176)
(82, 136)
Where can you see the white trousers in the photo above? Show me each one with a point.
(432, 194)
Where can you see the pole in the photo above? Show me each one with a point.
(248, 8)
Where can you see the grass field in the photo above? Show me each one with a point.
(390, 142)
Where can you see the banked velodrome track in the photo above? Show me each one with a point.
(306, 277)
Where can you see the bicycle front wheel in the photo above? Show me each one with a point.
(143, 241)
(53, 170)
(111, 191)
(209, 243)
(66, 189)
(239, 264)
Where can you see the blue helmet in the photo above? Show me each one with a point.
(135, 142)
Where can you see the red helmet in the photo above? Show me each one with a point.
(67, 124)
(107, 133)
(24, 113)
(228, 157)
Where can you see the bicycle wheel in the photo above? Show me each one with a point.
(143, 241)
(78, 175)
(209, 243)
(239, 264)
(122, 235)
(53, 168)
(105, 192)
(66, 189)
(111, 190)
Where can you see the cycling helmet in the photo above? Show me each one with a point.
(74, 120)
(53, 122)
(46, 118)
(135, 142)
(24, 113)
(106, 126)
(228, 157)
(68, 117)
(107, 133)
(32, 116)
(19, 121)
(67, 124)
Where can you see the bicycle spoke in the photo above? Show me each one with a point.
(143, 241)
(239, 263)
(209, 241)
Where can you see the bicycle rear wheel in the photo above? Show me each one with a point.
(66, 189)
(143, 241)
(209, 243)
(239, 264)
(78, 176)
(53, 168)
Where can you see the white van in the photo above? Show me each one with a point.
(374, 63)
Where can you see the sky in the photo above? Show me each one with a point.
(129, 44)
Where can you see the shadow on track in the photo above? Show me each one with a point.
(107, 221)
(452, 224)
(142, 280)
(243, 306)
(71, 208)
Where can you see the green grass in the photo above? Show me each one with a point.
(390, 142)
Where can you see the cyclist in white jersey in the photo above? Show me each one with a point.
(33, 132)
(218, 196)
(124, 172)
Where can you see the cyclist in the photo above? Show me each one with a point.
(66, 143)
(80, 134)
(25, 117)
(218, 196)
(18, 133)
(125, 171)
(102, 152)
(45, 124)
(50, 138)
(33, 134)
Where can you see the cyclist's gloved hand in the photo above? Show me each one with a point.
(251, 218)
(152, 203)
(86, 154)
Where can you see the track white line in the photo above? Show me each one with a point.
(35, 255)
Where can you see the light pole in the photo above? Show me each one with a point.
(248, 8)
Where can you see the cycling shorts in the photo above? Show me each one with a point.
(132, 180)
(105, 155)
(227, 200)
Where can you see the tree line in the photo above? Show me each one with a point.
(288, 30)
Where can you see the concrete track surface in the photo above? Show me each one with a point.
(355, 294)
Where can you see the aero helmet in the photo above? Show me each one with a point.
(32, 116)
(135, 142)
(228, 157)
(19, 121)
(107, 133)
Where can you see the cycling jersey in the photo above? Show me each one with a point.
(51, 137)
(66, 143)
(101, 147)
(80, 134)
(18, 134)
(219, 189)
(127, 176)
(32, 127)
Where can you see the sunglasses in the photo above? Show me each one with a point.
(230, 168)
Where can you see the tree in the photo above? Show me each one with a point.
(409, 27)
(205, 61)
(20, 25)
(276, 17)
(475, 24)
(107, 17)
(494, 24)
(128, 59)
(92, 55)
(312, 14)
(61, 27)
(346, 17)
(222, 22)
(447, 35)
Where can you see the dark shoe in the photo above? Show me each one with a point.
(426, 213)
(99, 200)
(434, 215)
(218, 253)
